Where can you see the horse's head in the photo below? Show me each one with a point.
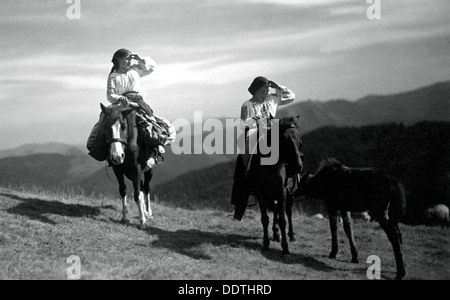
(290, 144)
(116, 128)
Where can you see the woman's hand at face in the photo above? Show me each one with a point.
(273, 85)
(136, 57)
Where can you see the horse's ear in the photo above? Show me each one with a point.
(102, 107)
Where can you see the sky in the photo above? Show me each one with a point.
(55, 67)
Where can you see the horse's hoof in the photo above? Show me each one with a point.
(285, 252)
(142, 226)
(355, 261)
(400, 275)
(148, 215)
(332, 255)
(292, 239)
(277, 238)
(265, 246)
(125, 221)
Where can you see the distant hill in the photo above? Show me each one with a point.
(55, 165)
(41, 170)
(419, 155)
(430, 103)
(52, 147)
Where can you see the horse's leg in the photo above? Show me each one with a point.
(125, 217)
(282, 222)
(139, 199)
(333, 216)
(123, 194)
(394, 236)
(347, 220)
(146, 189)
(264, 222)
(275, 225)
(289, 203)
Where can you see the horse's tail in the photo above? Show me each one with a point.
(397, 205)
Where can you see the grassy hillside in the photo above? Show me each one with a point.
(40, 230)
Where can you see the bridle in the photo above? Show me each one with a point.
(116, 140)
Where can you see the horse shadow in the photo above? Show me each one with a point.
(38, 209)
(188, 242)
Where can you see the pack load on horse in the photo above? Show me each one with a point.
(154, 133)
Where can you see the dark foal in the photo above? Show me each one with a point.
(346, 190)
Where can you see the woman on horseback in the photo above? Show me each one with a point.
(125, 77)
(256, 112)
(124, 85)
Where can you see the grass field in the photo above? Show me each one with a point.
(40, 230)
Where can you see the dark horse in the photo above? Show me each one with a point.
(125, 148)
(273, 184)
(348, 190)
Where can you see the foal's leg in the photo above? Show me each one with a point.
(394, 236)
(123, 194)
(332, 215)
(347, 220)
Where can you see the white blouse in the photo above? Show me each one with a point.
(265, 110)
(119, 83)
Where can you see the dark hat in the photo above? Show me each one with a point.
(121, 53)
(257, 83)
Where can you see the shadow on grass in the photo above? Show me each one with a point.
(189, 242)
(37, 209)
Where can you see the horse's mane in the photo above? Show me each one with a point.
(328, 163)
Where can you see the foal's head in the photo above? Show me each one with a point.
(116, 128)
